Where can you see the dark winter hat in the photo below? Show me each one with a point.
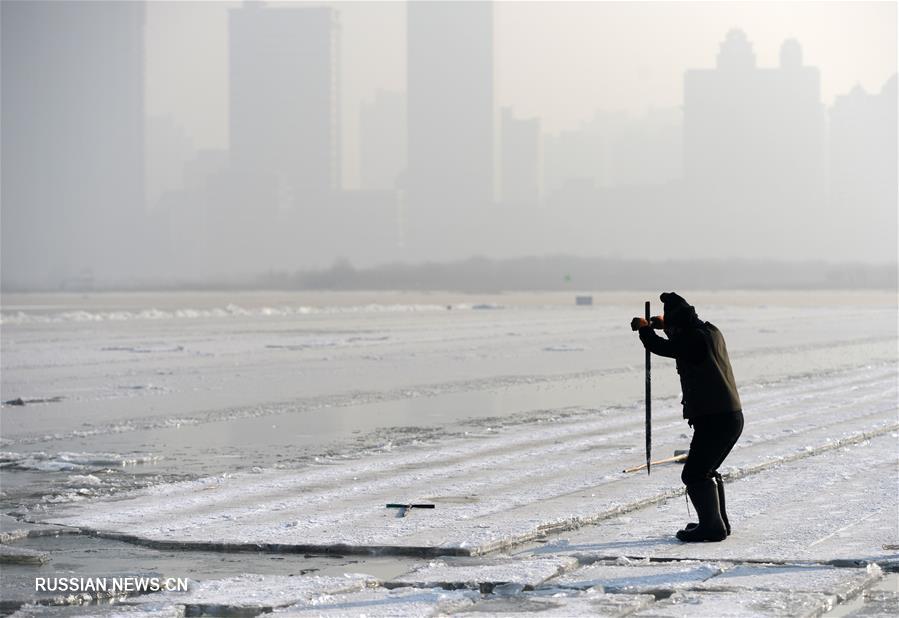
(678, 312)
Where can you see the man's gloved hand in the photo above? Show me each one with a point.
(638, 323)
(657, 322)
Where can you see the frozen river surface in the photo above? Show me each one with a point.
(181, 427)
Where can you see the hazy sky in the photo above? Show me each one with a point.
(556, 60)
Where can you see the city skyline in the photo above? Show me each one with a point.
(353, 131)
(543, 51)
(751, 163)
(73, 139)
(443, 136)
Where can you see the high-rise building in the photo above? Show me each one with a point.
(169, 149)
(754, 147)
(520, 158)
(863, 178)
(382, 140)
(450, 105)
(72, 140)
(746, 126)
(284, 98)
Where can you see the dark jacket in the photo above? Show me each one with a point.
(707, 381)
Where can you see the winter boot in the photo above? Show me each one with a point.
(720, 483)
(704, 496)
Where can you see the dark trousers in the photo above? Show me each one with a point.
(713, 438)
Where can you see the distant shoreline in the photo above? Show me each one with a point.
(272, 302)
(527, 274)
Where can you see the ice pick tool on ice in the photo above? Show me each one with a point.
(404, 508)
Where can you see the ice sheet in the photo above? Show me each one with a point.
(628, 577)
(551, 400)
(490, 491)
(382, 602)
(69, 462)
(840, 505)
(10, 554)
(12, 529)
(258, 363)
(262, 592)
(739, 604)
(878, 604)
(844, 583)
(562, 603)
(486, 574)
(121, 610)
(418, 602)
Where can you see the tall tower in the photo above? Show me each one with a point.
(863, 178)
(747, 127)
(754, 148)
(450, 105)
(284, 97)
(72, 140)
(520, 156)
(382, 140)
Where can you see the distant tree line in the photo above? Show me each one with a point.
(560, 272)
(547, 273)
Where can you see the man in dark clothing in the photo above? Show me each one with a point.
(711, 406)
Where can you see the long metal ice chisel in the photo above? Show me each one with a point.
(648, 405)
